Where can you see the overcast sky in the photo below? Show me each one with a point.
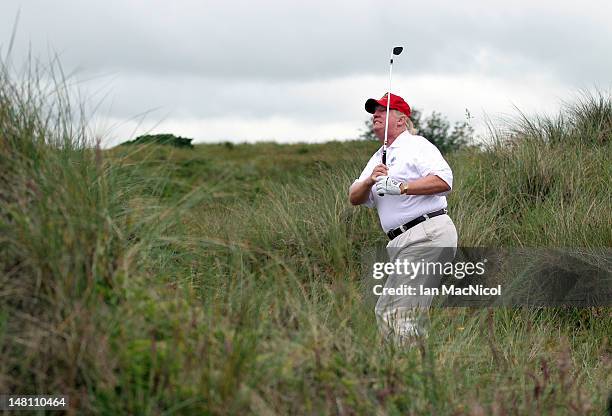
(289, 71)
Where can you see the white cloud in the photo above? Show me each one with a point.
(342, 114)
(233, 129)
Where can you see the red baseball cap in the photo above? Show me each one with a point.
(397, 103)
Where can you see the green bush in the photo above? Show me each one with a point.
(163, 139)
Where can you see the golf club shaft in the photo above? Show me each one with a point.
(384, 158)
(396, 51)
(384, 154)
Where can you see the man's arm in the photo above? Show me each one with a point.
(428, 185)
(359, 192)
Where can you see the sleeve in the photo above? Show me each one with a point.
(370, 203)
(431, 162)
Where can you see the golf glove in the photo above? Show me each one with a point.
(387, 186)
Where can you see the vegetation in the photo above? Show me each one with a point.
(228, 279)
(167, 139)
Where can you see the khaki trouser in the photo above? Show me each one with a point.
(433, 240)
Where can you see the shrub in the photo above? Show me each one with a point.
(163, 139)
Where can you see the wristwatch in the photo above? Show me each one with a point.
(404, 188)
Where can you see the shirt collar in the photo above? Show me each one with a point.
(399, 140)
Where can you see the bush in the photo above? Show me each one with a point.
(163, 139)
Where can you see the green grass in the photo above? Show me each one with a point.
(228, 279)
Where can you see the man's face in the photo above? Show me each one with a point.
(378, 122)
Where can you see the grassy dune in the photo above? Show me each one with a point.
(228, 279)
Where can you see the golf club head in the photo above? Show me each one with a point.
(397, 50)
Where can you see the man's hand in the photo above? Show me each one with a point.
(387, 186)
(379, 170)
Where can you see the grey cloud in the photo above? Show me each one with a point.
(193, 97)
(312, 63)
(274, 40)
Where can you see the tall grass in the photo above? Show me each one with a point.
(136, 283)
(70, 222)
(544, 183)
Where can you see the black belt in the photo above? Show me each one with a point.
(402, 228)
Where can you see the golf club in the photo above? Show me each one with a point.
(396, 51)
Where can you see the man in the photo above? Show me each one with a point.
(409, 194)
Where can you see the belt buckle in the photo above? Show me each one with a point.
(403, 228)
(426, 216)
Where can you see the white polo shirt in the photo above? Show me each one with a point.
(408, 158)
